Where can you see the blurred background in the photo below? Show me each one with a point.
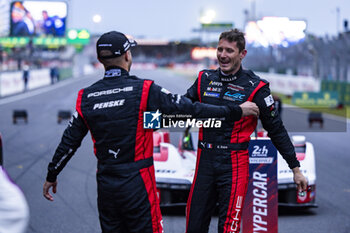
(302, 49)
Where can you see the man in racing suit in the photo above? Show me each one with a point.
(112, 109)
(222, 160)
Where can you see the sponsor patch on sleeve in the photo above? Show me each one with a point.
(165, 90)
(74, 116)
(269, 100)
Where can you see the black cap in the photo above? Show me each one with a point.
(114, 41)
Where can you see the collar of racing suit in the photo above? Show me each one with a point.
(229, 77)
(115, 71)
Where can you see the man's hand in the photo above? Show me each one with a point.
(46, 190)
(300, 180)
(249, 108)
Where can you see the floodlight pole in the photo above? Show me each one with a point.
(338, 19)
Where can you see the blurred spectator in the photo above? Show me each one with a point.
(19, 63)
(25, 76)
(14, 212)
(54, 74)
(1, 161)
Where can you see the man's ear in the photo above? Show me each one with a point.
(127, 55)
(243, 54)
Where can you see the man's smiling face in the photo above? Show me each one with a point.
(229, 56)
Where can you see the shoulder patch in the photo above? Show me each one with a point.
(269, 100)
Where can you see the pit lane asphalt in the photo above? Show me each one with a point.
(29, 147)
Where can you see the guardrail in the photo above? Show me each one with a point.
(288, 84)
(13, 82)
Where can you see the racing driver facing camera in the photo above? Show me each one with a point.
(222, 174)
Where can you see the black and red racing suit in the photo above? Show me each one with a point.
(222, 167)
(112, 110)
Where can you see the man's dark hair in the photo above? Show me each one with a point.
(234, 35)
(108, 61)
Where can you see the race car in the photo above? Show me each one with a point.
(287, 193)
(174, 170)
(175, 167)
